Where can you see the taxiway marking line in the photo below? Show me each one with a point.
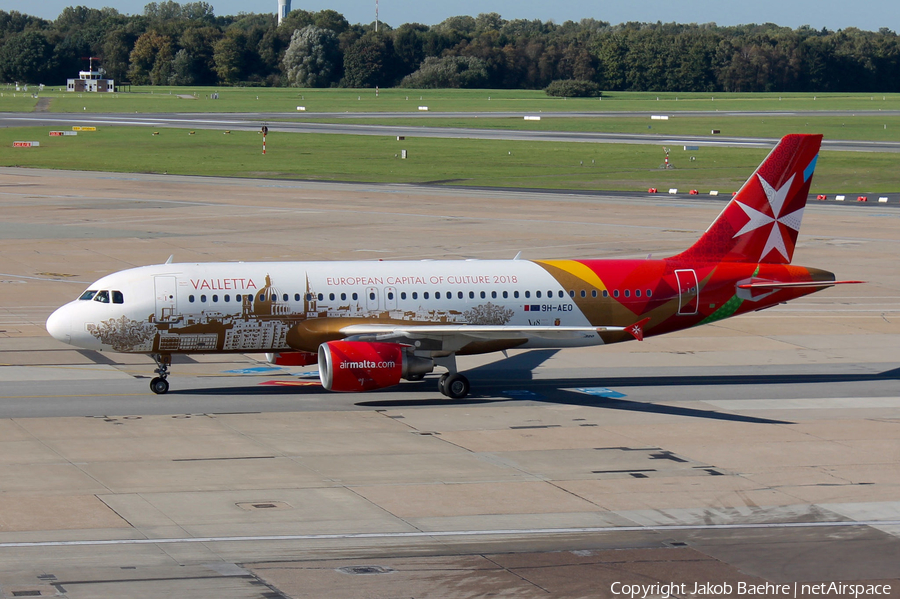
(454, 533)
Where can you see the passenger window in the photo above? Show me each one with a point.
(216, 298)
(355, 296)
(309, 297)
(459, 294)
(561, 294)
(371, 295)
(390, 295)
(571, 293)
(403, 295)
(483, 295)
(331, 297)
(344, 297)
(437, 295)
(593, 293)
(550, 294)
(237, 298)
(296, 297)
(627, 293)
(637, 293)
(321, 297)
(505, 294)
(537, 293)
(118, 298)
(616, 293)
(425, 295)
(471, 295)
(415, 295)
(527, 294)
(227, 299)
(649, 293)
(493, 295)
(583, 293)
(605, 293)
(102, 297)
(516, 294)
(89, 294)
(262, 297)
(284, 297)
(191, 298)
(203, 299)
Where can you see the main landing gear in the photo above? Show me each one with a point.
(159, 384)
(453, 385)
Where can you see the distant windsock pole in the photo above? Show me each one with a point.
(376, 16)
(284, 7)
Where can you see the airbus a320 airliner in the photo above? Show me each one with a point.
(371, 324)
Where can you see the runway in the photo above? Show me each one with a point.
(762, 448)
(292, 123)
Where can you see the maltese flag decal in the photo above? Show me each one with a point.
(637, 329)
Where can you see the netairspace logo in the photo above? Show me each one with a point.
(708, 589)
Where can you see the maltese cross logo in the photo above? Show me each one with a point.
(776, 239)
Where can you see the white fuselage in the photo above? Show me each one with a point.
(242, 307)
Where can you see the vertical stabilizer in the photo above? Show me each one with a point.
(762, 221)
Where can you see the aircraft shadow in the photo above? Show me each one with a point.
(492, 384)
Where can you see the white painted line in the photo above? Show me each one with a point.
(454, 533)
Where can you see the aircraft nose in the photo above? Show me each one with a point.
(60, 326)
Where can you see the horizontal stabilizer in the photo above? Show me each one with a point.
(796, 284)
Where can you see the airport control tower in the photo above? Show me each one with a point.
(284, 7)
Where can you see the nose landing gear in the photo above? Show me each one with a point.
(159, 384)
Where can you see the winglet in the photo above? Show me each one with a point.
(637, 329)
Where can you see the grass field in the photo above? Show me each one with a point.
(237, 99)
(874, 128)
(457, 161)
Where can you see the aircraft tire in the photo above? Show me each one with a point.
(441, 382)
(159, 385)
(456, 386)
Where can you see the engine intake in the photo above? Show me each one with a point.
(363, 365)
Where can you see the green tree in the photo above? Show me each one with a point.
(230, 56)
(26, 57)
(450, 71)
(313, 58)
(151, 59)
(368, 62)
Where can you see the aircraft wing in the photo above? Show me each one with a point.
(460, 334)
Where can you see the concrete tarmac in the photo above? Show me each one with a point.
(761, 449)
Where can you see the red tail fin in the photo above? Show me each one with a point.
(762, 221)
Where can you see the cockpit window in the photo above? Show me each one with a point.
(117, 297)
(102, 297)
(88, 295)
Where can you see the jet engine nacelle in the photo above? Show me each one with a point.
(364, 365)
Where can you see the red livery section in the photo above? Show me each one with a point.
(762, 221)
(359, 365)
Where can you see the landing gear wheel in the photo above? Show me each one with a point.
(441, 382)
(159, 385)
(456, 386)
